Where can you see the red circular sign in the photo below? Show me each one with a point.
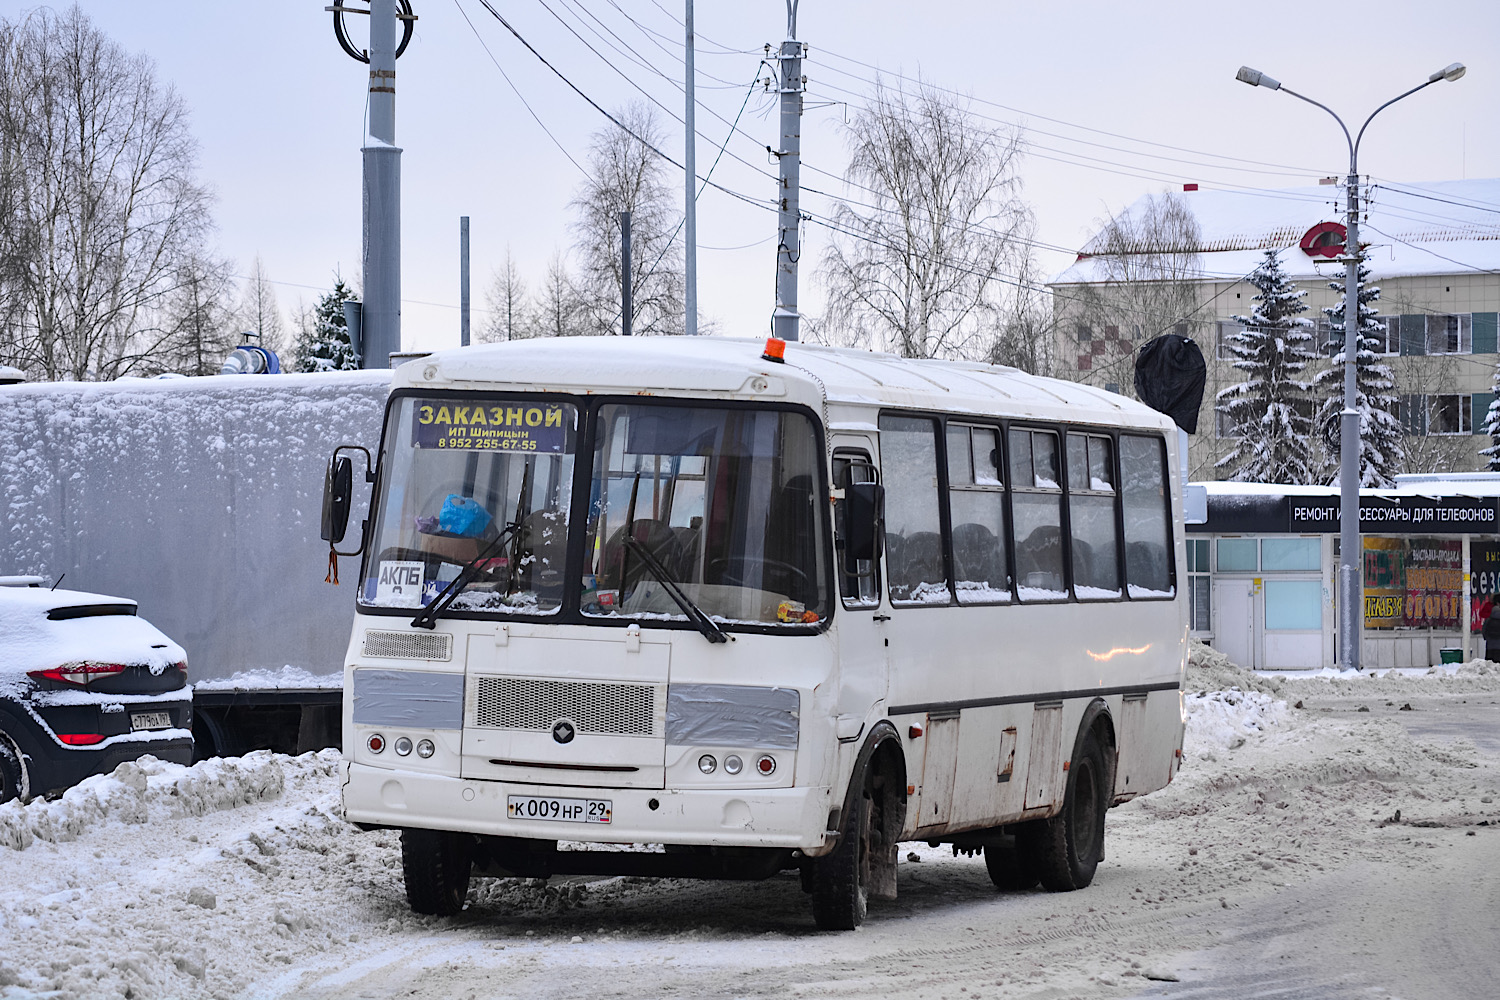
(1326, 239)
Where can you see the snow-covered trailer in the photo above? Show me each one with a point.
(200, 499)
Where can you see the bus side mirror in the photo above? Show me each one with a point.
(338, 493)
(863, 504)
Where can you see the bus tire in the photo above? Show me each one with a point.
(1067, 847)
(840, 897)
(863, 864)
(437, 865)
(1011, 868)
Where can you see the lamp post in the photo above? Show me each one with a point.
(1350, 586)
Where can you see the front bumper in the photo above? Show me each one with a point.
(794, 818)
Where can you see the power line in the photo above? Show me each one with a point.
(535, 117)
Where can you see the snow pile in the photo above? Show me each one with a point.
(289, 676)
(142, 792)
(1227, 718)
(1211, 670)
(1473, 677)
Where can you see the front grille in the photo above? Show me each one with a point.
(409, 645)
(600, 709)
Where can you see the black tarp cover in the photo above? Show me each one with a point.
(1169, 376)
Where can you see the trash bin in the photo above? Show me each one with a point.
(1451, 655)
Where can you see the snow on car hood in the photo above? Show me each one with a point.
(32, 641)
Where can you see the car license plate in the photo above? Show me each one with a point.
(564, 810)
(150, 720)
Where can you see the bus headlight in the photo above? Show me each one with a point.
(707, 764)
(425, 749)
(403, 745)
(733, 765)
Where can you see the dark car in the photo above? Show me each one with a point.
(85, 684)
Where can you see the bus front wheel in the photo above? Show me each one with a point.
(1067, 848)
(437, 865)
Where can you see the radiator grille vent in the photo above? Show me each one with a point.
(409, 645)
(601, 709)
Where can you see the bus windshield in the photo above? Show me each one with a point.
(692, 511)
(724, 499)
(471, 479)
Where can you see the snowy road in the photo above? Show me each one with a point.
(1273, 866)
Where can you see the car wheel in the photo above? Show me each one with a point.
(13, 784)
(437, 865)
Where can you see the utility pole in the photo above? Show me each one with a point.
(784, 318)
(690, 160)
(381, 309)
(463, 280)
(627, 304)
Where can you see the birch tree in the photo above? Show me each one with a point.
(625, 175)
(931, 230)
(101, 207)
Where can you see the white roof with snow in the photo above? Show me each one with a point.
(730, 368)
(1443, 227)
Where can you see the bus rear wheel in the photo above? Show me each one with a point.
(437, 865)
(1068, 847)
(1011, 866)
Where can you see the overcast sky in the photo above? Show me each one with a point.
(1104, 89)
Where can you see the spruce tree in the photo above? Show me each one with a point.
(1275, 435)
(1381, 451)
(323, 343)
(1492, 427)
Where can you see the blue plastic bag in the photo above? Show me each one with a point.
(463, 517)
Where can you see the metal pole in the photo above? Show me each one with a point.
(627, 304)
(690, 158)
(382, 195)
(1351, 582)
(784, 318)
(463, 280)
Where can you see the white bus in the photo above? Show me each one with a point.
(757, 614)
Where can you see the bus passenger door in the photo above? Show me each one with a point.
(863, 673)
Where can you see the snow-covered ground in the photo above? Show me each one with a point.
(1323, 849)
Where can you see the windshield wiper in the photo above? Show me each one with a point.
(705, 624)
(427, 617)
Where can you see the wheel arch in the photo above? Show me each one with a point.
(1098, 719)
(883, 750)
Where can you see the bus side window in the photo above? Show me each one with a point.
(862, 587)
(914, 562)
(1148, 540)
(1091, 513)
(976, 500)
(1036, 502)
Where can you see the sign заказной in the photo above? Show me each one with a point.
(1396, 515)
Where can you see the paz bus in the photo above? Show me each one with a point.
(753, 611)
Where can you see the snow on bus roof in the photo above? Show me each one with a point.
(811, 373)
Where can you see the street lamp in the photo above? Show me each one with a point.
(1350, 584)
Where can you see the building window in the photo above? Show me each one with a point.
(1085, 333)
(1291, 554)
(1449, 414)
(1238, 555)
(1224, 333)
(1199, 588)
(1225, 426)
(1435, 415)
(1294, 605)
(1450, 334)
(1387, 337)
